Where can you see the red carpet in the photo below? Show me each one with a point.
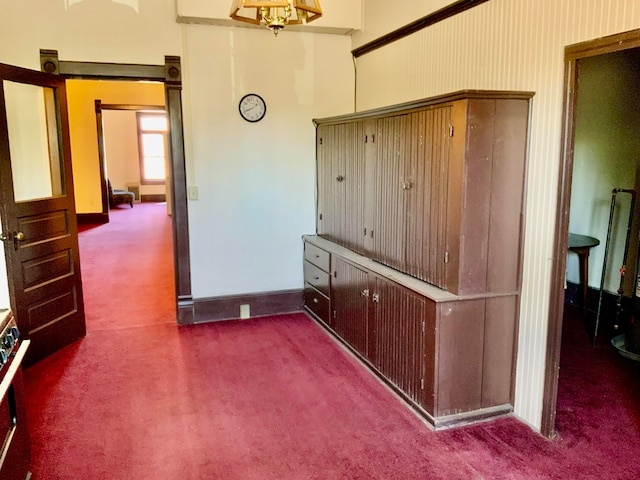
(277, 398)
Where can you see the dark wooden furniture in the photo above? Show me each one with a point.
(580, 245)
(419, 228)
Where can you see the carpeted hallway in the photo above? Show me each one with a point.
(277, 398)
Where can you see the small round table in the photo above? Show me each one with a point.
(581, 244)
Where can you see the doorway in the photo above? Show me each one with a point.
(169, 74)
(574, 55)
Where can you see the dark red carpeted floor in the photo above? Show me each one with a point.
(277, 398)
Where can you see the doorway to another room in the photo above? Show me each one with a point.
(599, 177)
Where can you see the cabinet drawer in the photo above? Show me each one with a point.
(317, 256)
(316, 277)
(317, 303)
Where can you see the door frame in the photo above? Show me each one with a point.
(102, 161)
(573, 54)
(170, 74)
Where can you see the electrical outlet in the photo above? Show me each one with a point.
(245, 311)
(193, 192)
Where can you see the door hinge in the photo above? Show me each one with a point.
(373, 138)
(321, 140)
(446, 257)
(371, 233)
(451, 130)
(366, 139)
(365, 232)
(320, 217)
(422, 384)
(424, 326)
(376, 298)
(334, 314)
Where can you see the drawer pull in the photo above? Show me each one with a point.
(315, 300)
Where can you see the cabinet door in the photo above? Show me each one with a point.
(427, 177)
(399, 333)
(350, 294)
(341, 185)
(390, 189)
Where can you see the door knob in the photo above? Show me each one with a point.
(17, 238)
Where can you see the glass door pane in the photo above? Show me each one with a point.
(36, 160)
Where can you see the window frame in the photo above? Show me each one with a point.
(140, 133)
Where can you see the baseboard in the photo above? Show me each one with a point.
(216, 309)
(154, 198)
(92, 218)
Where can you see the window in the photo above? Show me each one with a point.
(152, 140)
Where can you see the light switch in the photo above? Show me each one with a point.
(193, 192)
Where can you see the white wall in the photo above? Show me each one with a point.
(256, 181)
(121, 147)
(504, 45)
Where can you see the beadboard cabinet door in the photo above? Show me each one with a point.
(350, 293)
(399, 329)
(341, 183)
(436, 191)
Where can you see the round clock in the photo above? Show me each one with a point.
(252, 107)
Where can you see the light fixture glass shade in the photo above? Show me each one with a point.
(275, 14)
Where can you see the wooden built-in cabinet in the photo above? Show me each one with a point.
(431, 188)
(419, 246)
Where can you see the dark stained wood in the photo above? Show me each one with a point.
(460, 345)
(414, 105)
(451, 358)
(92, 218)
(318, 278)
(499, 359)
(475, 191)
(317, 303)
(573, 54)
(417, 25)
(153, 197)
(350, 297)
(170, 74)
(508, 173)
(43, 269)
(442, 182)
(261, 304)
(340, 168)
(390, 210)
(399, 337)
(178, 190)
(317, 256)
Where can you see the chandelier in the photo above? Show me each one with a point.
(275, 14)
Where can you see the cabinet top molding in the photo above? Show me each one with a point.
(425, 103)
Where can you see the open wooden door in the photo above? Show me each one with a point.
(39, 227)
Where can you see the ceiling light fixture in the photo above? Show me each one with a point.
(275, 14)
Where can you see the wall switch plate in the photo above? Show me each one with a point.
(193, 192)
(245, 311)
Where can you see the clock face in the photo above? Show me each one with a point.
(252, 107)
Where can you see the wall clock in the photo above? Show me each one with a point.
(252, 107)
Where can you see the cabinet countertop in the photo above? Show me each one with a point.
(432, 292)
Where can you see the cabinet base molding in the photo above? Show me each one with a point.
(437, 423)
(215, 309)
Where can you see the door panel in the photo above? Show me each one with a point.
(350, 297)
(38, 210)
